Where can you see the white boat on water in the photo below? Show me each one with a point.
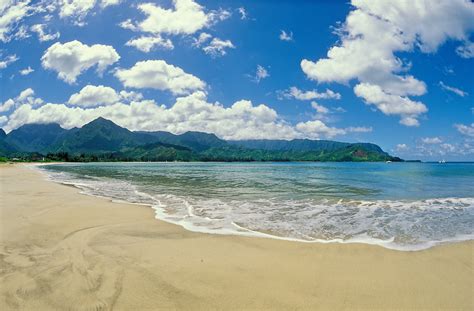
(442, 161)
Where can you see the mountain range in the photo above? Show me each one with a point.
(103, 140)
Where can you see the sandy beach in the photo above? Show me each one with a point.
(61, 250)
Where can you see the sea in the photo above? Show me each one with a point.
(403, 206)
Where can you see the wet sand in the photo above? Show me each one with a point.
(61, 250)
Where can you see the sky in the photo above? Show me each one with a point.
(396, 73)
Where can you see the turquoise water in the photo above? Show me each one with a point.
(406, 206)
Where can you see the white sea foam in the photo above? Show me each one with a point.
(401, 225)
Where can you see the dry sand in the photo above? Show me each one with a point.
(60, 250)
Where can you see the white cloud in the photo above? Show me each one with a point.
(11, 13)
(26, 71)
(217, 47)
(286, 36)
(131, 96)
(42, 35)
(203, 38)
(242, 12)
(466, 50)
(294, 92)
(7, 105)
(452, 89)
(317, 129)
(401, 147)
(128, 24)
(8, 60)
(359, 129)
(431, 140)
(71, 59)
(242, 120)
(319, 108)
(106, 3)
(93, 96)
(148, 43)
(448, 147)
(260, 74)
(391, 104)
(437, 151)
(76, 9)
(26, 97)
(374, 31)
(186, 17)
(467, 130)
(21, 33)
(157, 74)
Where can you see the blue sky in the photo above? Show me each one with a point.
(396, 75)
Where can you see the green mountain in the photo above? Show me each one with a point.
(103, 140)
(6, 149)
(35, 137)
(289, 145)
(196, 141)
(98, 136)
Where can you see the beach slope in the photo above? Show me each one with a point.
(60, 250)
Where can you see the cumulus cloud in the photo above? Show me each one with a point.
(11, 13)
(186, 17)
(286, 36)
(201, 39)
(26, 97)
(212, 46)
(435, 151)
(8, 60)
(294, 92)
(148, 43)
(217, 47)
(467, 130)
(241, 120)
(391, 104)
(77, 10)
(452, 89)
(319, 108)
(317, 129)
(431, 140)
(3, 119)
(157, 74)
(26, 71)
(42, 35)
(401, 147)
(71, 59)
(373, 32)
(106, 3)
(93, 96)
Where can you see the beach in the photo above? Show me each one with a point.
(62, 250)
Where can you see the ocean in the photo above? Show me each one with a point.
(404, 206)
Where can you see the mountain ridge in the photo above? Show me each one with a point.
(102, 139)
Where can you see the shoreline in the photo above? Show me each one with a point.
(160, 215)
(60, 249)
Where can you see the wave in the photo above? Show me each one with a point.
(395, 224)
